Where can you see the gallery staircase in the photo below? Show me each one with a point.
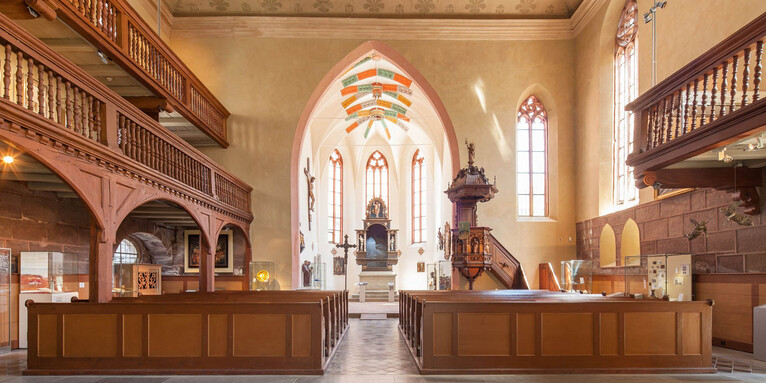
(505, 267)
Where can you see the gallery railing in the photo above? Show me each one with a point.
(68, 101)
(710, 102)
(119, 32)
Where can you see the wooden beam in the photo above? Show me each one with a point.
(70, 45)
(47, 186)
(151, 103)
(718, 178)
(35, 177)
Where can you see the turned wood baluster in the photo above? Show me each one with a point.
(97, 120)
(7, 73)
(745, 76)
(144, 145)
(133, 140)
(30, 84)
(713, 93)
(121, 133)
(77, 110)
(20, 78)
(724, 85)
(669, 130)
(51, 96)
(704, 99)
(69, 106)
(733, 91)
(661, 116)
(694, 104)
(684, 129)
(154, 160)
(90, 126)
(60, 101)
(652, 131)
(758, 68)
(680, 108)
(40, 90)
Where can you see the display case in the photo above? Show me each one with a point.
(5, 300)
(318, 276)
(577, 276)
(263, 276)
(134, 279)
(660, 275)
(42, 279)
(439, 275)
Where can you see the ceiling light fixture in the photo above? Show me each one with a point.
(8, 159)
(722, 156)
(753, 146)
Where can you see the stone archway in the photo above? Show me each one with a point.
(316, 97)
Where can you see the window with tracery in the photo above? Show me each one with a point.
(532, 159)
(419, 205)
(335, 197)
(625, 91)
(377, 178)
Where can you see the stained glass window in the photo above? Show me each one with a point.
(377, 178)
(419, 205)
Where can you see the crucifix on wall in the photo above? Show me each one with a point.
(310, 187)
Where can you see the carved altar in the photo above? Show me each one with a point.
(377, 242)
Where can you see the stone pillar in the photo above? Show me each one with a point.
(206, 267)
(100, 272)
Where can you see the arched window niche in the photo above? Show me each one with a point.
(419, 200)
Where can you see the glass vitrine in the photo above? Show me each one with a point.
(577, 276)
(660, 275)
(263, 276)
(5, 300)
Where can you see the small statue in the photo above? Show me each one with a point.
(731, 214)
(699, 228)
(440, 236)
(470, 152)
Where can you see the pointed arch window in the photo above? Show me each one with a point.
(335, 197)
(625, 91)
(419, 206)
(377, 177)
(532, 159)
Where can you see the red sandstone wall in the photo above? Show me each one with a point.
(728, 247)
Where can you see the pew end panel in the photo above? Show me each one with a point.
(176, 338)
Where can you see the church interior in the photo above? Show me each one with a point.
(382, 190)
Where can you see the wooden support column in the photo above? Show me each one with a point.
(248, 259)
(206, 267)
(100, 265)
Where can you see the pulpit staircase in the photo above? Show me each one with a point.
(505, 267)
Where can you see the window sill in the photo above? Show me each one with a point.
(535, 219)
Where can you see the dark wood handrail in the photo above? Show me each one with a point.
(506, 267)
(712, 101)
(116, 29)
(75, 108)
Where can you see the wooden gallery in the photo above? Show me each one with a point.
(382, 188)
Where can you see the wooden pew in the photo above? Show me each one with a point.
(335, 305)
(547, 332)
(412, 301)
(274, 332)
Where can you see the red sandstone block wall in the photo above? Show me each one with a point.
(727, 248)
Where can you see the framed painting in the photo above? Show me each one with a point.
(421, 267)
(339, 266)
(662, 193)
(223, 253)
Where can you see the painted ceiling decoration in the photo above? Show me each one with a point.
(468, 9)
(367, 104)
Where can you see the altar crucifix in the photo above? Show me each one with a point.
(310, 187)
(345, 246)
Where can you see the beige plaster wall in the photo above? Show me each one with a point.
(266, 82)
(685, 30)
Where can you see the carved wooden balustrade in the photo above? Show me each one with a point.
(65, 101)
(118, 31)
(711, 102)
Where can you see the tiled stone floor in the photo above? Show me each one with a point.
(373, 352)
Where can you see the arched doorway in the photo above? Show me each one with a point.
(325, 128)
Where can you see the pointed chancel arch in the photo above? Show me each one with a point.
(402, 70)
